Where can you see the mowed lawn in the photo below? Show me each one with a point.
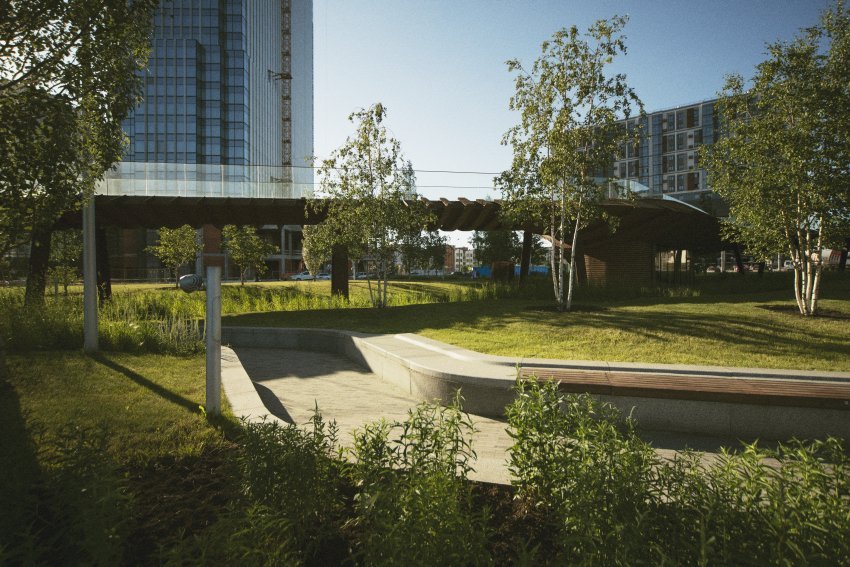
(756, 329)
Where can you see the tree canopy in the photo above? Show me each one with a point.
(569, 105)
(68, 79)
(782, 162)
(369, 193)
(176, 247)
(425, 250)
(246, 249)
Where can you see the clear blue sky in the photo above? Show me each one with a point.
(439, 66)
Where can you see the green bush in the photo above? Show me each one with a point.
(614, 502)
(576, 459)
(413, 505)
(299, 475)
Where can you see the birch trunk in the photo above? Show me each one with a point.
(573, 256)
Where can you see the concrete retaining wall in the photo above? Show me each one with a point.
(486, 385)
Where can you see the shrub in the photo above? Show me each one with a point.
(299, 474)
(575, 458)
(413, 506)
(613, 502)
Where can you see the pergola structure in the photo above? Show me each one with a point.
(644, 226)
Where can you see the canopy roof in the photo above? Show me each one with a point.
(668, 223)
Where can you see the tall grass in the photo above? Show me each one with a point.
(611, 501)
(169, 321)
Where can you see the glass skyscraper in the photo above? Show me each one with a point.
(227, 111)
(229, 83)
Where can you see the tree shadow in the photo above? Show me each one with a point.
(20, 475)
(134, 376)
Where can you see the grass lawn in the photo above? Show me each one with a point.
(750, 327)
(106, 456)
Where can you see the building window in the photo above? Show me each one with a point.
(681, 162)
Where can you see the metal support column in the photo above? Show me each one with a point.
(90, 343)
(213, 331)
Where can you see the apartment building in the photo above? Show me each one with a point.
(666, 160)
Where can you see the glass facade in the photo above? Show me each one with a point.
(668, 152)
(229, 82)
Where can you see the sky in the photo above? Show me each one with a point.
(438, 66)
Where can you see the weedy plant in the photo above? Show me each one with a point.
(297, 474)
(78, 506)
(614, 502)
(413, 505)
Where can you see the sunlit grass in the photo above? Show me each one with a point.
(757, 329)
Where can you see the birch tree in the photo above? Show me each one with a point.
(783, 160)
(369, 193)
(569, 104)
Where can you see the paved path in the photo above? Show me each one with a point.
(291, 382)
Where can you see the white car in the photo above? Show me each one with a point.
(302, 276)
(323, 276)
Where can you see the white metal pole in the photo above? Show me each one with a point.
(89, 279)
(213, 328)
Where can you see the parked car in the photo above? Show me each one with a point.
(323, 276)
(302, 276)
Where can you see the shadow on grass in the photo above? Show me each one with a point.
(748, 330)
(20, 475)
(164, 393)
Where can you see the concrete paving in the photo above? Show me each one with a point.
(291, 383)
(356, 379)
(284, 384)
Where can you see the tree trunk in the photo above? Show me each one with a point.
(739, 263)
(339, 271)
(842, 263)
(761, 268)
(38, 261)
(677, 267)
(573, 256)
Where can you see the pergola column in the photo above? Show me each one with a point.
(90, 342)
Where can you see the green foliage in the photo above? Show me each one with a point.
(574, 458)
(299, 474)
(257, 535)
(78, 490)
(614, 502)
(413, 505)
(368, 192)
(782, 162)
(496, 246)
(246, 249)
(567, 135)
(68, 79)
(176, 247)
(312, 252)
(66, 249)
(423, 250)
